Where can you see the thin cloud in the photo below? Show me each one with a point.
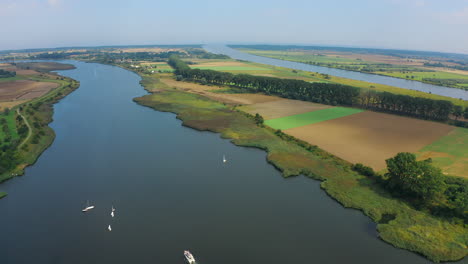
(459, 17)
(53, 3)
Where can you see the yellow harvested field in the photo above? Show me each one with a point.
(26, 72)
(24, 89)
(282, 108)
(369, 137)
(224, 64)
(243, 99)
(11, 104)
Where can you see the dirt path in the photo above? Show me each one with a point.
(29, 128)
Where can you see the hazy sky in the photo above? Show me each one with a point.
(440, 25)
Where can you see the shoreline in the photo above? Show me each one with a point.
(340, 183)
(372, 73)
(29, 151)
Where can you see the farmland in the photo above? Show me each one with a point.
(356, 136)
(449, 152)
(24, 89)
(281, 108)
(309, 118)
(412, 67)
(238, 67)
(369, 137)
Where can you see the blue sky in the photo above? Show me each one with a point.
(440, 25)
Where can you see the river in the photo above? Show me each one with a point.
(171, 192)
(372, 78)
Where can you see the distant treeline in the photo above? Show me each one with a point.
(390, 52)
(6, 74)
(325, 93)
(203, 54)
(462, 67)
(56, 55)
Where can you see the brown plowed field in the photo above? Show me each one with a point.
(24, 89)
(282, 107)
(370, 138)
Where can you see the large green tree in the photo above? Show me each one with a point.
(418, 179)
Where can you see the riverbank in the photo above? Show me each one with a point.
(32, 119)
(403, 70)
(371, 78)
(397, 223)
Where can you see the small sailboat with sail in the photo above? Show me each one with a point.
(112, 211)
(88, 207)
(109, 228)
(224, 159)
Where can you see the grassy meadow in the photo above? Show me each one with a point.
(11, 123)
(450, 152)
(309, 118)
(437, 239)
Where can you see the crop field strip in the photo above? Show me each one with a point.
(449, 152)
(309, 118)
(370, 137)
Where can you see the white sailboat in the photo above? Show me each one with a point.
(88, 207)
(112, 211)
(224, 159)
(189, 257)
(109, 228)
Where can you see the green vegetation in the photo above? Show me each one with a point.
(23, 150)
(397, 221)
(8, 127)
(313, 117)
(228, 68)
(414, 179)
(364, 87)
(6, 74)
(326, 93)
(424, 186)
(316, 56)
(451, 151)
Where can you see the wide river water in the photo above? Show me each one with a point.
(372, 78)
(171, 192)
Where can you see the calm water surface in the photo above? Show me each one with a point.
(171, 191)
(373, 78)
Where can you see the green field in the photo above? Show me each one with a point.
(313, 117)
(450, 152)
(11, 123)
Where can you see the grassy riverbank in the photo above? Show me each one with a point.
(30, 123)
(398, 223)
(393, 66)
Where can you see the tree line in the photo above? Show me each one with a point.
(325, 93)
(6, 74)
